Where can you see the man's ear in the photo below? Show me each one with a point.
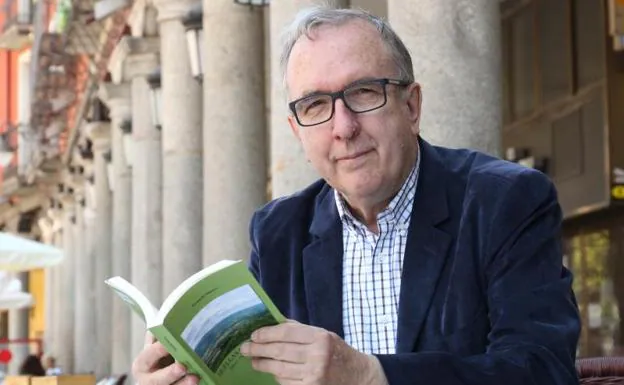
(294, 127)
(414, 104)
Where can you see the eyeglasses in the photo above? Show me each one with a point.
(359, 97)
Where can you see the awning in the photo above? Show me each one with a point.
(21, 254)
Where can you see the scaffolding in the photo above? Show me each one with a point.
(70, 56)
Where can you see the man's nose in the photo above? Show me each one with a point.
(346, 125)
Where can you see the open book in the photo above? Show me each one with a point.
(203, 322)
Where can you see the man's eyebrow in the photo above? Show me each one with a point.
(307, 93)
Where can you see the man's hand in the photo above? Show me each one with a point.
(295, 353)
(154, 366)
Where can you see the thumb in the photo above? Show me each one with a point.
(149, 339)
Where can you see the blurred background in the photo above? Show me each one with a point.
(137, 137)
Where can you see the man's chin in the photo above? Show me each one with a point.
(362, 192)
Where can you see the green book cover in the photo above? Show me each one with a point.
(204, 321)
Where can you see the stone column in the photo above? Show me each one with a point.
(99, 132)
(54, 328)
(182, 149)
(117, 98)
(18, 329)
(49, 344)
(53, 237)
(81, 293)
(289, 169)
(141, 57)
(86, 305)
(461, 103)
(67, 289)
(234, 127)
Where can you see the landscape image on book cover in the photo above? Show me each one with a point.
(217, 330)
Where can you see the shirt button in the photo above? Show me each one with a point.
(383, 258)
(385, 319)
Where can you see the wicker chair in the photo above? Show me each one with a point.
(601, 370)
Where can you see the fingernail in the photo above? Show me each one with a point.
(244, 348)
(180, 370)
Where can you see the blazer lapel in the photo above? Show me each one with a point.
(322, 267)
(426, 249)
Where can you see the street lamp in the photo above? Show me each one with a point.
(256, 3)
(195, 39)
(154, 80)
(128, 142)
(108, 157)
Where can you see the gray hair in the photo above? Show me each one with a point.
(309, 19)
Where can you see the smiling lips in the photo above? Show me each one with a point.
(355, 155)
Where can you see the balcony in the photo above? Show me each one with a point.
(16, 33)
(54, 85)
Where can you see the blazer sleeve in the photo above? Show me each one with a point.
(533, 314)
(254, 263)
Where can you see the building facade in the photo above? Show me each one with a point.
(563, 94)
(21, 331)
(156, 128)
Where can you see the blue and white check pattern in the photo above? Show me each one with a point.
(372, 266)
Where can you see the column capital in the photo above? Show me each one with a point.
(134, 56)
(76, 182)
(69, 204)
(141, 65)
(172, 9)
(117, 98)
(142, 19)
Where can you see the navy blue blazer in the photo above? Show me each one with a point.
(484, 297)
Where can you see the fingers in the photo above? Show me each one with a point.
(164, 362)
(149, 339)
(188, 380)
(292, 332)
(148, 359)
(145, 368)
(287, 352)
(281, 370)
(167, 376)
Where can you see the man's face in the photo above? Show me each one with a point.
(365, 156)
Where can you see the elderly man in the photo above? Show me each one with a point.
(407, 263)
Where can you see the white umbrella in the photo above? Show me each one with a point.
(15, 301)
(11, 294)
(21, 254)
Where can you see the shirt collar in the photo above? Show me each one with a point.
(399, 208)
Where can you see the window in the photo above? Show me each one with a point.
(554, 49)
(590, 41)
(596, 258)
(551, 50)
